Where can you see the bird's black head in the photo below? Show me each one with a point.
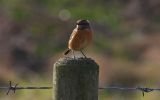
(82, 22)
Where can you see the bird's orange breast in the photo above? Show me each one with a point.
(80, 39)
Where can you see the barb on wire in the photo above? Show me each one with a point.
(13, 88)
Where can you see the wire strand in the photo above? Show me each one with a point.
(141, 89)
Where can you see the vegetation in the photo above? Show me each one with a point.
(34, 33)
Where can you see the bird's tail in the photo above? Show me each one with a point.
(67, 51)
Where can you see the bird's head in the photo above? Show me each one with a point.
(82, 24)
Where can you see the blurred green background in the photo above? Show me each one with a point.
(126, 44)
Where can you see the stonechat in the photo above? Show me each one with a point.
(80, 38)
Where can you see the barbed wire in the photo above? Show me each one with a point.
(16, 87)
(141, 89)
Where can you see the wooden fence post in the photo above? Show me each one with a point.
(75, 79)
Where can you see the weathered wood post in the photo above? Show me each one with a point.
(75, 79)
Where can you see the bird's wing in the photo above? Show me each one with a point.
(73, 34)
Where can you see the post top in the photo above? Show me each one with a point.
(71, 61)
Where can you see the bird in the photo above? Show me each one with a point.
(80, 38)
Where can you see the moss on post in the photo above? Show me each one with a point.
(75, 79)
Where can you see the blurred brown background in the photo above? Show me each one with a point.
(126, 44)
